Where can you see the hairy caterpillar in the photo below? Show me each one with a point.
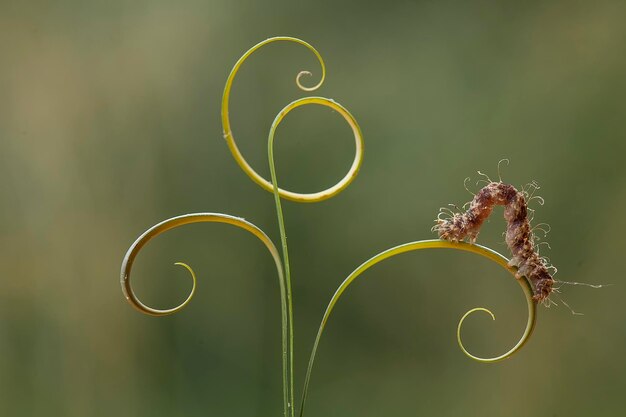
(519, 235)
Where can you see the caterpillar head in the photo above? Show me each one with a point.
(454, 229)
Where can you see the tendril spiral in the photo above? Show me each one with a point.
(174, 222)
(230, 139)
(430, 244)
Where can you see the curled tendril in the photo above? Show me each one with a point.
(530, 326)
(178, 221)
(230, 139)
(431, 244)
(173, 223)
(314, 197)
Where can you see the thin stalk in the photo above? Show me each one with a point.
(348, 178)
(283, 240)
(287, 305)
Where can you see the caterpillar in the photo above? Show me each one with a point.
(519, 235)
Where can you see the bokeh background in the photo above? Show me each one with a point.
(109, 123)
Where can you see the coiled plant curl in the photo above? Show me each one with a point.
(282, 264)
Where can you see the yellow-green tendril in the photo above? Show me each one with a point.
(314, 197)
(230, 139)
(430, 244)
(530, 325)
(273, 185)
(178, 221)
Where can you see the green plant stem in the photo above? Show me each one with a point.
(287, 353)
(289, 411)
(306, 198)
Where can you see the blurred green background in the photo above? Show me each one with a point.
(109, 123)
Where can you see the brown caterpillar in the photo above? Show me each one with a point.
(519, 235)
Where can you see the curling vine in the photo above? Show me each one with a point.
(282, 263)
